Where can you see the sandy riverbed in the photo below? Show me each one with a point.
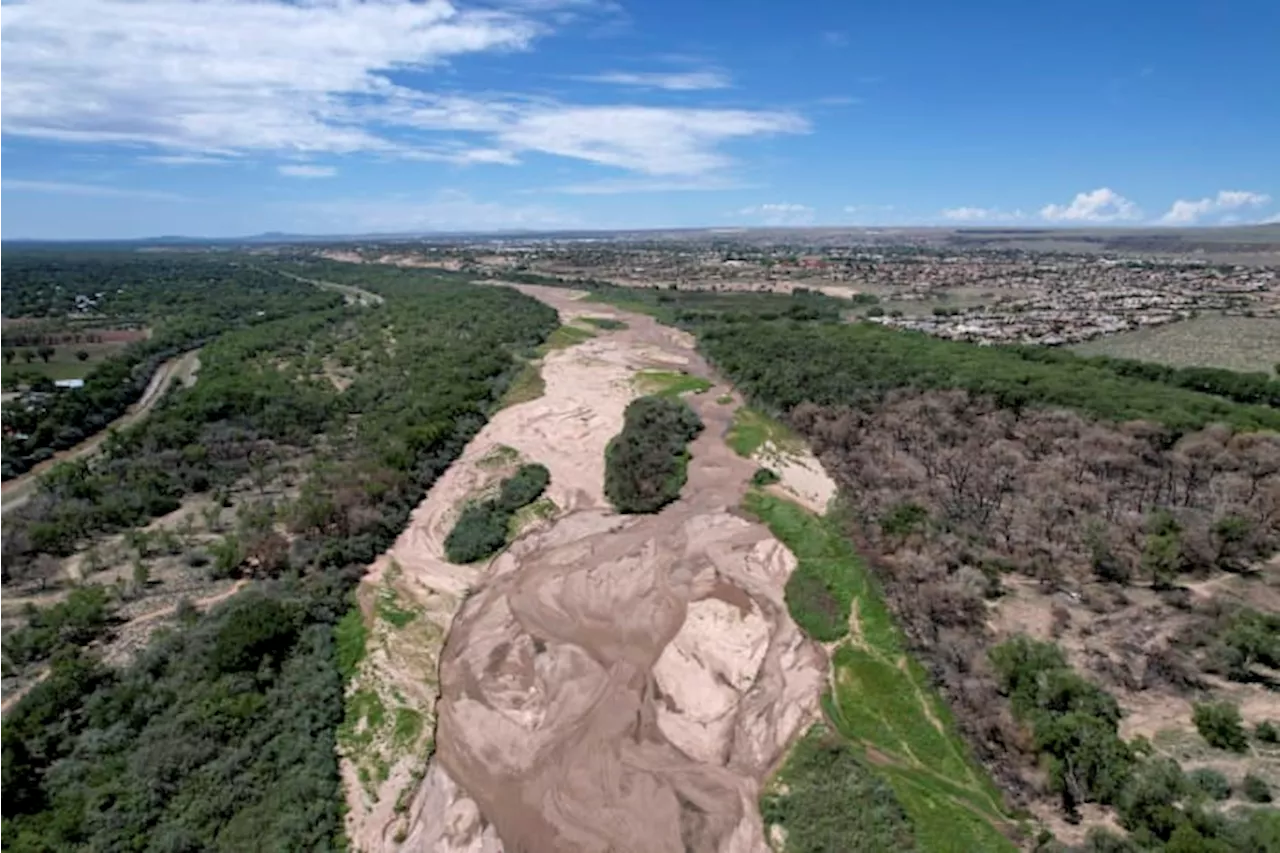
(610, 682)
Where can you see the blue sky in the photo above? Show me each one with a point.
(130, 118)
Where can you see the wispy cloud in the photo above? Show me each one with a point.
(102, 190)
(835, 38)
(186, 160)
(982, 214)
(1189, 212)
(194, 78)
(307, 171)
(779, 213)
(675, 81)
(1101, 205)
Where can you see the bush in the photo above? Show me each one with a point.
(481, 530)
(1210, 782)
(764, 477)
(79, 620)
(1256, 789)
(1267, 732)
(1219, 723)
(645, 464)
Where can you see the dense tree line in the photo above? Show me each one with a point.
(220, 736)
(187, 302)
(646, 463)
(780, 365)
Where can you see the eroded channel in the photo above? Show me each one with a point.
(608, 682)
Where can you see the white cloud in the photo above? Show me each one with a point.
(867, 208)
(186, 160)
(1101, 205)
(255, 76)
(783, 213)
(675, 81)
(982, 214)
(654, 140)
(306, 171)
(101, 190)
(1186, 212)
(448, 210)
(1271, 220)
(835, 38)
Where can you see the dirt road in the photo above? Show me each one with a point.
(182, 368)
(609, 682)
(354, 295)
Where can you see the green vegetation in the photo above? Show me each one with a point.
(669, 383)
(83, 617)
(187, 301)
(1074, 722)
(1220, 725)
(780, 365)
(390, 611)
(1210, 782)
(646, 463)
(752, 430)
(221, 734)
(566, 336)
(1255, 789)
(829, 574)
(528, 385)
(483, 527)
(606, 323)
(828, 799)
(764, 477)
(1267, 732)
(882, 700)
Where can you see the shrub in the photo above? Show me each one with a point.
(524, 487)
(645, 464)
(1219, 723)
(1256, 789)
(764, 477)
(481, 529)
(1267, 732)
(1210, 782)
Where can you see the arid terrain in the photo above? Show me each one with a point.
(608, 682)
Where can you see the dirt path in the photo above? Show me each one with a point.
(181, 368)
(354, 295)
(609, 682)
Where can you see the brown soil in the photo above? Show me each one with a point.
(610, 682)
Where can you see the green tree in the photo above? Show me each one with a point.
(1220, 724)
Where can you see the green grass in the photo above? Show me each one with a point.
(407, 727)
(63, 364)
(499, 457)
(528, 385)
(566, 336)
(366, 705)
(881, 699)
(390, 611)
(606, 323)
(350, 636)
(669, 383)
(523, 517)
(751, 430)
(725, 399)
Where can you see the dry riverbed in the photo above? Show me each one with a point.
(608, 682)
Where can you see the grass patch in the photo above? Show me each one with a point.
(365, 706)
(540, 509)
(390, 611)
(827, 799)
(669, 383)
(528, 385)
(350, 636)
(566, 336)
(880, 698)
(407, 727)
(751, 430)
(499, 457)
(607, 323)
(725, 399)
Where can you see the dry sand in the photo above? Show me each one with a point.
(612, 682)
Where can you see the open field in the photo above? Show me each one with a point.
(1234, 343)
